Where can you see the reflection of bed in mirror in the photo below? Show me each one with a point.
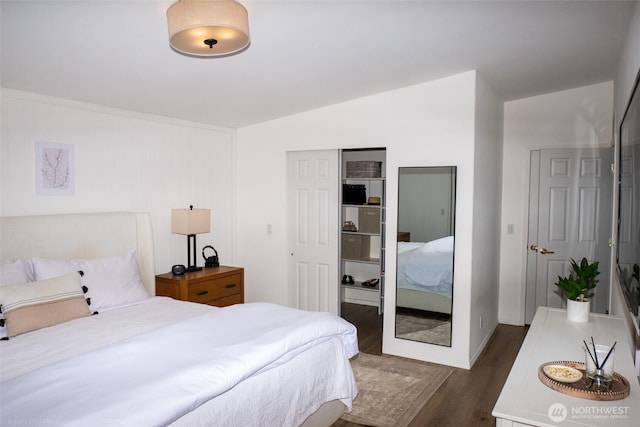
(425, 275)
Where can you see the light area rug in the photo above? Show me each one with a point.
(424, 329)
(391, 391)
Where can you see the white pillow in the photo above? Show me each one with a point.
(112, 281)
(17, 272)
(408, 246)
(444, 244)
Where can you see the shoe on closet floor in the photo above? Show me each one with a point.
(371, 283)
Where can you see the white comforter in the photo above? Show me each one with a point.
(426, 266)
(161, 374)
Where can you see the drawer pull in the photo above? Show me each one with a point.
(233, 285)
(203, 293)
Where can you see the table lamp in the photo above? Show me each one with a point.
(191, 222)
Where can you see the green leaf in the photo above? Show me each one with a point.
(581, 280)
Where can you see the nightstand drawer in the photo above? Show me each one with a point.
(219, 286)
(214, 289)
(230, 300)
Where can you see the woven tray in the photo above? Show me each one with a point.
(619, 384)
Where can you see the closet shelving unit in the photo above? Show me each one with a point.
(363, 251)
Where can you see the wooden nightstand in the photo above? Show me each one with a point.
(219, 286)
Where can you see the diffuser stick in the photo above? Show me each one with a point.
(589, 351)
(609, 354)
(595, 353)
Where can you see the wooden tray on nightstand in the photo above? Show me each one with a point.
(619, 384)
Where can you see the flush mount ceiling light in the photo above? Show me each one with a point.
(208, 27)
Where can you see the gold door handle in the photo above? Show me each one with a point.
(533, 247)
(544, 251)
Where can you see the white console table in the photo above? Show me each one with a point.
(526, 401)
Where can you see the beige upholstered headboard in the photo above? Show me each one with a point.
(86, 235)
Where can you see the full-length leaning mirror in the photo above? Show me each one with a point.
(424, 285)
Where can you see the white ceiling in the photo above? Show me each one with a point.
(304, 54)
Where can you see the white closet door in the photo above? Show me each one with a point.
(313, 216)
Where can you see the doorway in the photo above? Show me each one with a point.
(570, 201)
(315, 266)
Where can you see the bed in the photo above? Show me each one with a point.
(147, 360)
(425, 275)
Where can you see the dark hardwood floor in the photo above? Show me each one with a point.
(467, 397)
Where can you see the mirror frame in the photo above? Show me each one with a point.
(439, 247)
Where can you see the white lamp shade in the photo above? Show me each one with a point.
(191, 22)
(190, 221)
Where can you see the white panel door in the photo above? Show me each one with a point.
(572, 220)
(313, 216)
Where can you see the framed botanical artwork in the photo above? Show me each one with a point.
(54, 168)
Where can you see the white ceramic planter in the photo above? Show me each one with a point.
(578, 311)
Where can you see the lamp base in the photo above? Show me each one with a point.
(191, 250)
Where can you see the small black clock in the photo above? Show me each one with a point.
(178, 269)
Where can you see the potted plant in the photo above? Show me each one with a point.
(577, 287)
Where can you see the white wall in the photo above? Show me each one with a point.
(576, 117)
(124, 161)
(486, 217)
(414, 124)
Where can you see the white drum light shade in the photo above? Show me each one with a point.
(208, 27)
